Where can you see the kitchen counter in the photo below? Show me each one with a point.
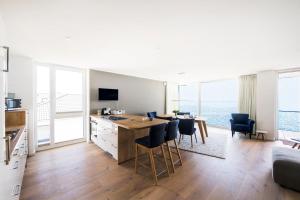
(117, 137)
(133, 121)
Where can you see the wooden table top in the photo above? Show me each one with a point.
(136, 121)
(197, 119)
(295, 140)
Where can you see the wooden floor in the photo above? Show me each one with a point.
(85, 172)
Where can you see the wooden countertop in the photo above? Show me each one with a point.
(135, 121)
(13, 128)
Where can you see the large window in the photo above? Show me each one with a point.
(218, 100)
(289, 104)
(189, 98)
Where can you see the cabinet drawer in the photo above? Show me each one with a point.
(104, 124)
(110, 138)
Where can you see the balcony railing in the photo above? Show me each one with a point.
(64, 103)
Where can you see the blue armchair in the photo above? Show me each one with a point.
(241, 123)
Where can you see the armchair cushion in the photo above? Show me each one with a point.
(241, 127)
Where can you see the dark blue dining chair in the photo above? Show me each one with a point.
(155, 139)
(240, 122)
(152, 114)
(186, 127)
(171, 135)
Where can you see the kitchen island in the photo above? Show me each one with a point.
(116, 134)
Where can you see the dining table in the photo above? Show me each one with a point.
(201, 121)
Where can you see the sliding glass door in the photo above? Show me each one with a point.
(59, 105)
(289, 105)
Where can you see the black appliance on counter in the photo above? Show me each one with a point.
(11, 103)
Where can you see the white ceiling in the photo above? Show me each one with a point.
(157, 39)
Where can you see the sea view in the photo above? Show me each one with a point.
(218, 113)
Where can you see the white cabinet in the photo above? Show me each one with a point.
(12, 173)
(105, 135)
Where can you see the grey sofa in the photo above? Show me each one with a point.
(286, 167)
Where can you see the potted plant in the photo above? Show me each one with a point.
(175, 112)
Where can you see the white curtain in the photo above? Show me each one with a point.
(247, 95)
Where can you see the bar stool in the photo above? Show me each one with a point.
(154, 140)
(171, 134)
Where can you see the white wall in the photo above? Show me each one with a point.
(2, 93)
(21, 82)
(136, 95)
(266, 113)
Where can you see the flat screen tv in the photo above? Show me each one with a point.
(108, 94)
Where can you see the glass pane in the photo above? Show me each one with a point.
(188, 99)
(68, 124)
(218, 101)
(43, 105)
(289, 105)
(68, 129)
(68, 91)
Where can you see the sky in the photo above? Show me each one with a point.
(224, 90)
(289, 94)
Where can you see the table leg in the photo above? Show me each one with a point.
(201, 132)
(294, 145)
(205, 128)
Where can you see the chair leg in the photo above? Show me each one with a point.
(179, 138)
(195, 137)
(170, 154)
(232, 133)
(136, 157)
(163, 152)
(191, 141)
(178, 152)
(153, 166)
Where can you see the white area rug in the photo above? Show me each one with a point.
(215, 144)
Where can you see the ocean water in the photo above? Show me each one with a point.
(289, 121)
(218, 113)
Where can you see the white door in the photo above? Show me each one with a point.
(60, 106)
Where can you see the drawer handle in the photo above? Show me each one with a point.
(16, 190)
(16, 152)
(16, 165)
